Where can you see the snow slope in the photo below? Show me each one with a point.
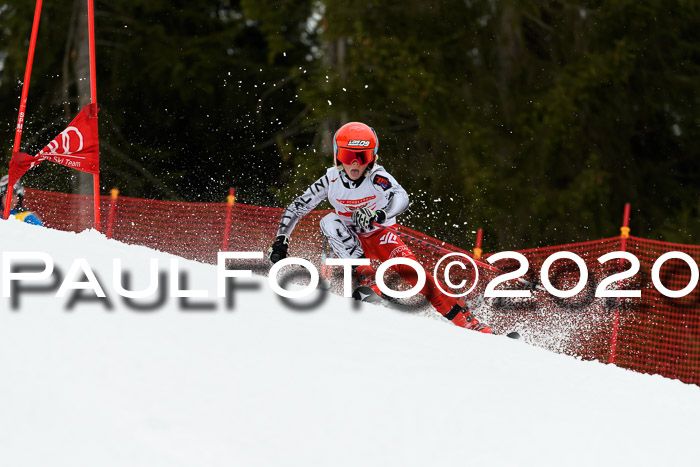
(267, 385)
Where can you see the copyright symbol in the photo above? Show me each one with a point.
(447, 274)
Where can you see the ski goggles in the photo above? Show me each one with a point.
(348, 156)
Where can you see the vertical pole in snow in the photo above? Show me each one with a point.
(231, 200)
(114, 194)
(477, 246)
(23, 101)
(27, 76)
(624, 235)
(93, 101)
(91, 30)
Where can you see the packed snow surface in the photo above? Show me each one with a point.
(268, 384)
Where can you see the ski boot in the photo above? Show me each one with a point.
(462, 317)
(367, 289)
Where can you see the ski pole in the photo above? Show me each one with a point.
(490, 267)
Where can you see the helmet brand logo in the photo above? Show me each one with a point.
(359, 142)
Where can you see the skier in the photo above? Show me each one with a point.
(363, 194)
(17, 210)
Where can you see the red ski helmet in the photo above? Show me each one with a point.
(355, 141)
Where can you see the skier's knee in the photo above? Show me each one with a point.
(327, 222)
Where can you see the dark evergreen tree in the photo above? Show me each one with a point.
(535, 120)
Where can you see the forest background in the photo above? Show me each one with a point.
(536, 120)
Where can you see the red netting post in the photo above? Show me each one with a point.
(114, 194)
(23, 101)
(231, 200)
(624, 235)
(625, 229)
(477, 245)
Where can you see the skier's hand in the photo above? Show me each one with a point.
(364, 218)
(278, 250)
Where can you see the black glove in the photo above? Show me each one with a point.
(364, 218)
(278, 250)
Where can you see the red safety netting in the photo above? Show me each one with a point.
(651, 334)
(656, 334)
(191, 230)
(663, 335)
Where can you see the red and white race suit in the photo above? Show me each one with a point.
(376, 190)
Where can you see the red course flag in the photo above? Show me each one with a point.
(76, 147)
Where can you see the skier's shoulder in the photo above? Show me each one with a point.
(333, 175)
(381, 179)
(329, 177)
